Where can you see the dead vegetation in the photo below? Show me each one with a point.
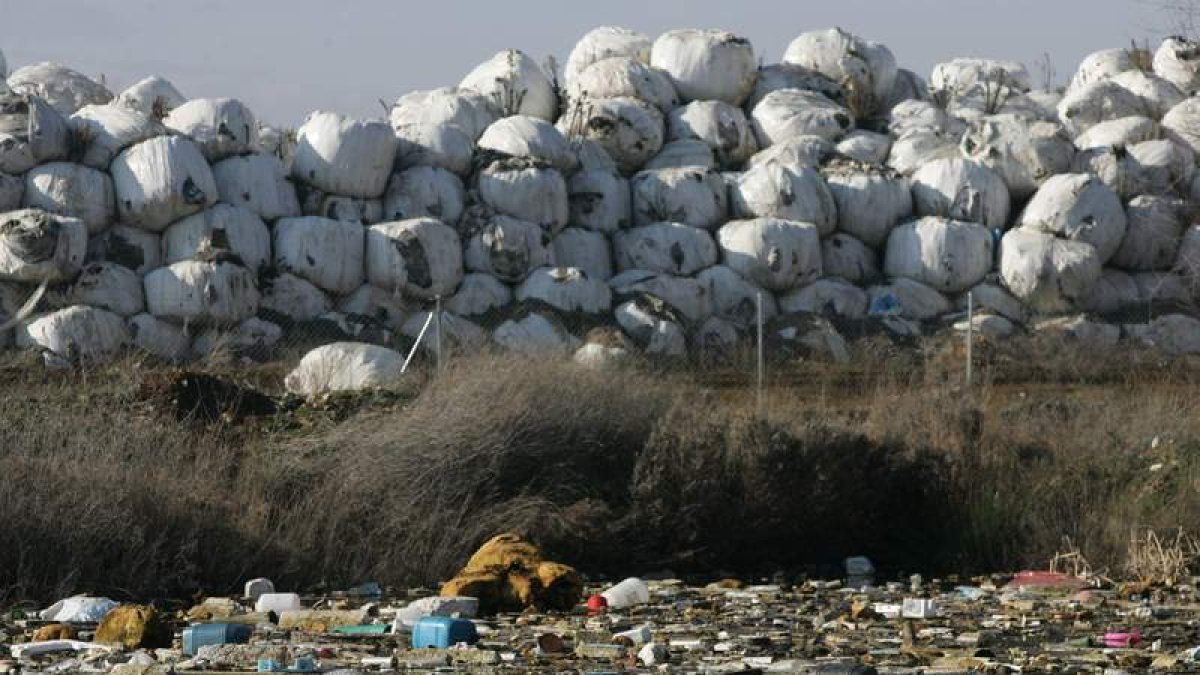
(617, 471)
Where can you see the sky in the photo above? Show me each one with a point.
(285, 58)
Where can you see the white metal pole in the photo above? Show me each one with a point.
(970, 335)
(760, 396)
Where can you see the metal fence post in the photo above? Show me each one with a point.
(970, 336)
(761, 365)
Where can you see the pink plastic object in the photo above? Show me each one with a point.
(1047, 580)
(1122, 640)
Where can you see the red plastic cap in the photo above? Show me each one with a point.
(596, 604)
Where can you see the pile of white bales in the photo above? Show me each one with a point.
(656, 187)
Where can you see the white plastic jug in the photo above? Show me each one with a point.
(632, 591)
(277, 602)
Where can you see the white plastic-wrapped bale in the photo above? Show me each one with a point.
(106, 130)
(794, 153)
(508, 249)
(790, 76)
(707, 65)
(524, 136)
(194, 291)
(991, 297)
(535, 334)
(526, 189)
(457, 333)
(715, 338)
(12, 190)
(961, 76)
(83, 334)
(689, 195)
(515, 84)
(1152, 236)
(722, 126)
(909, 299)
(790, 113)
(961, 189)
(1162, 287)
(653, 326)
(866, 69)
(37, 246)
(1177, 60)
(683, 153)
(161, 180)
(917, 148)
(1159, 167)
(1024, 153)
(385, 308)
(257, 182)
(567, 289)
(948, 255)
(152, 96)
(1187, 259)
(72, 190)
(590, 155)
(1081, 329)
(685, 295)
(604, 348)
(908, 87)
(337, 154)
(1078, 207)
(870, 201)
(1046, 273)
(293, 297)
(31, 132)
(1114, 292)
(1111, 164)
(251, 338)
(422, 255)
(773, 191)
(1175, 334)
(314, 202)
(444, 146)
(848, 258)
(108, 286)
(623, 77)
(599, 200)
(867, 147)
(1119, 132)
(734, 298)
(779, 255)
(1083, 108)
(470, 111)
(603, 43)
(586, 250)
(329, 253)
(1182, 124)
(1102, 65)
(232, 229)
(910, 116)
(158, 338)
(1158, 95)
(630, 130)
(135, 248)
(829, 296)
(667, 247)
(424, 192)
(478, 294)
(223, 127)
(345, 366)
(65, 89)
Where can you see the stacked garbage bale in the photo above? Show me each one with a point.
(646, 199)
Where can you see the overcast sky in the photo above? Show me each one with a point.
(287, 57)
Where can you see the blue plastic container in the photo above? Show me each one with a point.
(195, 637)
(442, 632)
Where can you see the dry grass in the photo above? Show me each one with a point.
(622, 471)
